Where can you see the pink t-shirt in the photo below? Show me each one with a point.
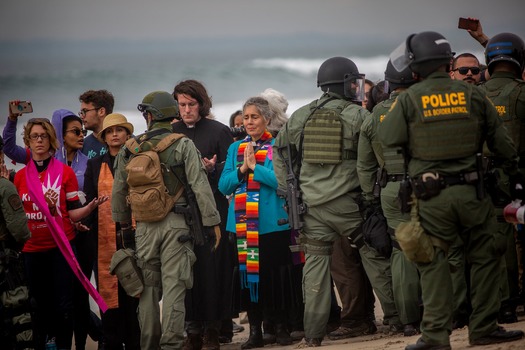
(56, 196)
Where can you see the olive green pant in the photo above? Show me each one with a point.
(379, 272)
(405, 277)
(323, 225)
(458, 273)
(157, 245)
(457, 212)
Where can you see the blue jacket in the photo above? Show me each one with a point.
(271, 207)
(21, 155)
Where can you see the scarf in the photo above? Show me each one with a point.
(107, 242)
(246, 207)
(54, 222)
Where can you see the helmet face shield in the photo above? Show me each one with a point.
(354, 87)
(401, 57)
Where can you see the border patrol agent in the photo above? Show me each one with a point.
(405, 278)
(162, 250)
(14, 232)
(443, 124)
(327, 179)
(505, 58)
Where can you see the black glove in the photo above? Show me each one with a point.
(371, 207)
(517, 183)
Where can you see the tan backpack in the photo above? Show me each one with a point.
(148, 196)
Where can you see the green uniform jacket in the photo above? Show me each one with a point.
(13, 219)
(182, 151)
(394, 130)
(497, 82)
(370, 152)
(322, 183)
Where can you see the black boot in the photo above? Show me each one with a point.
(193, 342)
(282, 335)
(210, 340)
(255, 340)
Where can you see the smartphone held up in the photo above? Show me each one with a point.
(468, 24)
(20, 107)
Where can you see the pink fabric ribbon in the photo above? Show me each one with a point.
(55, 225)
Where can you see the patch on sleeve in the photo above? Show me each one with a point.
(15, 202)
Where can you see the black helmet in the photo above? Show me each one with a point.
(397, 79)
(336, 74)
(505, 47)
(160, 104)
(429, 50)
(423, 53)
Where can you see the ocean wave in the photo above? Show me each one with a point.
(373, 67)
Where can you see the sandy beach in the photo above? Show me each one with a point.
(382, 341)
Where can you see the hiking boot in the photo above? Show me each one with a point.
(409, 330)
(421, 345)
(210, 340)
(193, 342)
(498, 336)
(282, 335)
(309, 343)
(356, 330)
(255, 339)
(395, 328)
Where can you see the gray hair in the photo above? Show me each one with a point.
(262, 105)
(278, 105)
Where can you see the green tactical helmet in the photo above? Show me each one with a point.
(160, 104)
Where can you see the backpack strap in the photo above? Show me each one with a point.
(134, 143)
(167, 141)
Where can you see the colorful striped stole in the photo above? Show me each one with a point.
(246, 205)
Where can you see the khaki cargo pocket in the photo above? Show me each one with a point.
(188, 258)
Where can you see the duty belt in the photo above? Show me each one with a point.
(430, 184)
(461, 179)
(395, 177)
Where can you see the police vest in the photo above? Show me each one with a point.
(443, 126)
(505, 99)
(323, 136)
(394, 162)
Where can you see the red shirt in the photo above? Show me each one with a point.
(41, 238)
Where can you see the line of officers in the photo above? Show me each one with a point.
(436, 141)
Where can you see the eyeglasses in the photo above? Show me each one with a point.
(464, 70)
(35, 137)
(78, 131)
(83, 112)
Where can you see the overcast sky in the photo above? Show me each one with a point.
(167, 19)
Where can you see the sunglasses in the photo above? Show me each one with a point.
(464, 70)
(78, 131)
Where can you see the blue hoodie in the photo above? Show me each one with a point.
(20, 155)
